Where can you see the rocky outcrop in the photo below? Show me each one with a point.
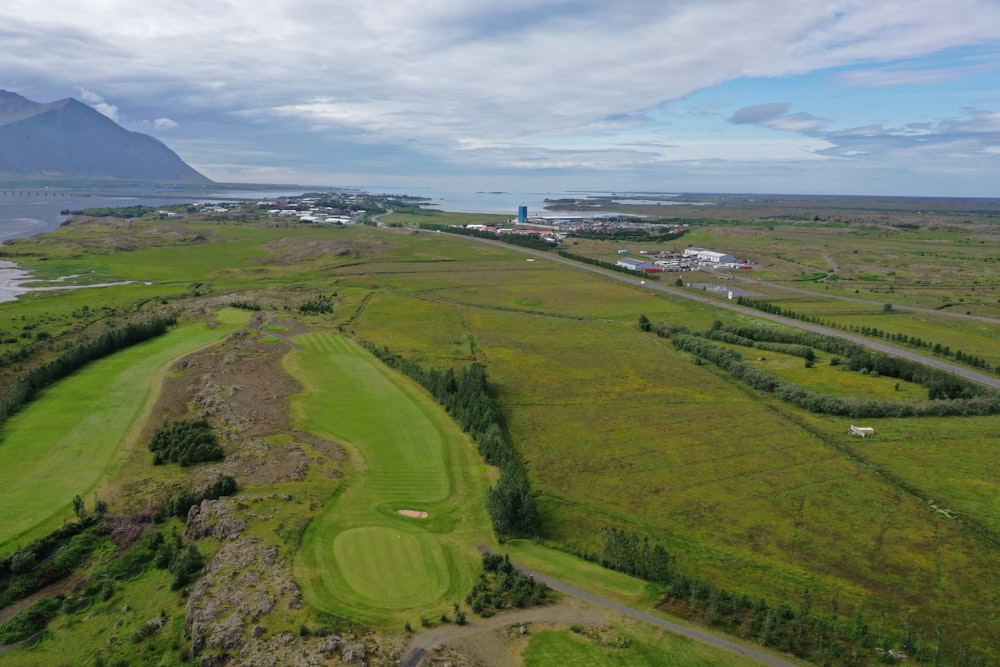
(244, 582)
(214, 518)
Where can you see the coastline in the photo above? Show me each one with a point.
(13, 277)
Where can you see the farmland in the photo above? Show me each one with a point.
(617, 427)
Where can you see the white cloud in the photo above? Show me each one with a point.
(432, 79)
(795, 122)
(98, 103)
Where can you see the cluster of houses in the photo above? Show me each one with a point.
(306, 209)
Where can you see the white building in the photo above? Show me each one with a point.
(705, 255)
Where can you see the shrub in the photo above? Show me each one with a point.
(185, 442)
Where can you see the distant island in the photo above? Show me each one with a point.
(68, 141)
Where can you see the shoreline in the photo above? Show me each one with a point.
(12, 277)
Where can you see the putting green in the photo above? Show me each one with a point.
(390, 567)
(65, 441)
(360, 558)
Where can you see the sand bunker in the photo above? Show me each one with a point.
(414, 514)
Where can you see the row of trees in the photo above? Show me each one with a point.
(822, 636)
(524, 240)
(32, 382)
(940, 384)
(605, 265)
(793, 349)
(631, 234)
(948, 394)
(627, 552)
(466, 397)
(972, 360)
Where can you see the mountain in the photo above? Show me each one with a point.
(68, 140)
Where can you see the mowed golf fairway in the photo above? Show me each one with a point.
(63, 443)
(359, 557)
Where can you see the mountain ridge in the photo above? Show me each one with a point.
(69, 140)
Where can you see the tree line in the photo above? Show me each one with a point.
(972, 360)
(523, 240)
(627, 552)
(37, 379)
(823, 636)
(606, 265)
(466, 397)
(940, 384)
(947, 394)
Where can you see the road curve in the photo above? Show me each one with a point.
(966, 373)
(447, 635)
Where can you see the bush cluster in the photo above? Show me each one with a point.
(30, 620)
(48, 558)
(322, 304)
(186, 442)
(501, 586)
(181, 503)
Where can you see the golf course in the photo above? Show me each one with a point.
(69, 439)
(362, 557)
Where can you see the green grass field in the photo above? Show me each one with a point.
(68, 440)
(618, 429)
(551, 648)
(615, 426)
(359, 557)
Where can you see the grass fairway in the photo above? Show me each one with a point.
(359, 557)
(65, 442)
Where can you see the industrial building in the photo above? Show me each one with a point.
(705, 255)
(637, 265)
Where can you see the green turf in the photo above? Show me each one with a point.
(359, 557)
(583, 574)
(65, 442)
(551, 648)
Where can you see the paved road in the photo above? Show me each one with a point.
(481, 631)
(968, 374)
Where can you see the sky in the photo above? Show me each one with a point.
(878, 97)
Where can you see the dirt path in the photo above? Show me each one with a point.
(832, 262)
(52, 590)
(486, 639)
